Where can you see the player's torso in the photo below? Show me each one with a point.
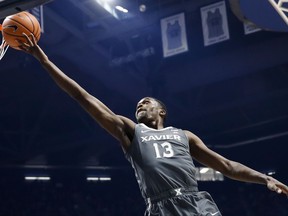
(161, 159)
(160, 146)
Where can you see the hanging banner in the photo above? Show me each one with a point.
(174, 39)
(214, 23)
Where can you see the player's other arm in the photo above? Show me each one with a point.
(229, 168)
(120, 127)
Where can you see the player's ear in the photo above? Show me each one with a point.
(162, 113)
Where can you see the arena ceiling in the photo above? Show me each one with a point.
(233, 94)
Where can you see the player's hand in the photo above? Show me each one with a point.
(275, 185)
(31, 47)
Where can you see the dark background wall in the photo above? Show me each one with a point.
(233, 94)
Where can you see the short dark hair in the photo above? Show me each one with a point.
(163, 106)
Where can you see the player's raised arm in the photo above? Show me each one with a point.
(229, 168)
(120, 127)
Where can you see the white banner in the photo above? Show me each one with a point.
(214, 23)
(174, 39)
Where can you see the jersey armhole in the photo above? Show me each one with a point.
(129, 149)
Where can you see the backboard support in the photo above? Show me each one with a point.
(266, 14)
(9, 7)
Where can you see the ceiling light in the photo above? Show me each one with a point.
(204, 170)
(122, 9)
(39, 178)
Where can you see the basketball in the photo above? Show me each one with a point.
(15, 25)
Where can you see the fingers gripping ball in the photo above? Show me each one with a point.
(15, 25)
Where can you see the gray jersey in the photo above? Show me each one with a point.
(161, 160)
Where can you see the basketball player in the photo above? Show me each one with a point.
(160, 156)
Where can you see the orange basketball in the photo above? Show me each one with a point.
(13, 27)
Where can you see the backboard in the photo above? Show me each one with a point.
(9, 7)
(266, 14)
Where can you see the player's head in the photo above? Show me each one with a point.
(150, 109)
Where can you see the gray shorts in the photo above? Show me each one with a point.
(186, 204)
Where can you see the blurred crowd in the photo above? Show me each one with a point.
(120, 197)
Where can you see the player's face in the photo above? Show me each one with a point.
(147, 109)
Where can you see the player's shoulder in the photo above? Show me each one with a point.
(189, 134)
(128, 123)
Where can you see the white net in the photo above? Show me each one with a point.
(3, 48)
(281, 6)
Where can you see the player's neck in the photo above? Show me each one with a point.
(155, 124)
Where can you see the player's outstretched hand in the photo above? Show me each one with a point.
(31, 47)
(275, 185)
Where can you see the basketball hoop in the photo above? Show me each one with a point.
(4, 46)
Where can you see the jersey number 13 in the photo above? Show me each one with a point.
(163, 150)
